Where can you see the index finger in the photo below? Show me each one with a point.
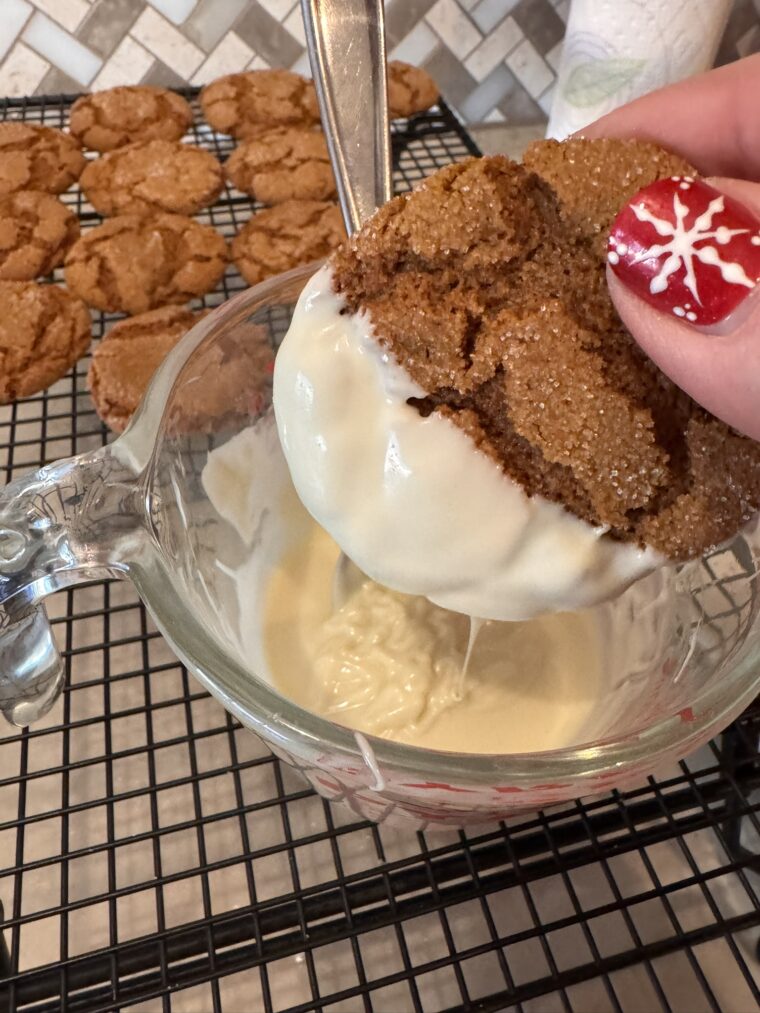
(711, 120)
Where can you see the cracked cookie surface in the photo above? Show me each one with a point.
(124, 362)
(488, 286)
(153, 176)
(43, 332)
(245, 104)
(131, 264)
(37, 158)
(284, 163)
(110, 119)
(282, 237)
(36, 230)
(410, 90)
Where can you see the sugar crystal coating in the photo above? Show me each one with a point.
(488, 285)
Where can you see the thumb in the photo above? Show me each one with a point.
(684, 274)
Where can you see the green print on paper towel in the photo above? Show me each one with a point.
(592, 82)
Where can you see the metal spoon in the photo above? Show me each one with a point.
(346, 43)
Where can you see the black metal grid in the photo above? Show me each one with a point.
(154, 855)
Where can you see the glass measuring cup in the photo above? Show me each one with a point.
(681, 658)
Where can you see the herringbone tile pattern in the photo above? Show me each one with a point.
(495, 60)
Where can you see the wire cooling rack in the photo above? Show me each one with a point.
(155, 856)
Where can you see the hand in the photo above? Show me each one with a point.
(702, 327)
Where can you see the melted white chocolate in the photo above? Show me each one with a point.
(391, 664)
(411, 500)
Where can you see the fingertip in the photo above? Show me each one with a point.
(721, 372)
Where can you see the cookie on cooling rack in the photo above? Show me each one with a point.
(127, 358)
(132, 263)
(245, 104)
(282, 237)
(124, 362)
(152, 176)
(284, 163)
(36, 230)
(410, 90)
(110, 119)
(43, 332)
(34, 157)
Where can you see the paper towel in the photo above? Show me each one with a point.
(616, 50)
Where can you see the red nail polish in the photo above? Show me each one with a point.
(687, 249)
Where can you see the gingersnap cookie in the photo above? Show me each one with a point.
(245, 104)
(43, 332)
(124, 362)
(153, 176)
(131, 264)
(226, 380)
(284, 163)
(37, 158)
(410, 90)
(282, 237)
(36, 230)
(110, 119)
(589, 179)
(488, 285)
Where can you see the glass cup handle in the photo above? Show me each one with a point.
(68, 522)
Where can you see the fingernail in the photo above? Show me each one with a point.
(687, 249)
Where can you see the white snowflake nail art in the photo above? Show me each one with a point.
(681, 238)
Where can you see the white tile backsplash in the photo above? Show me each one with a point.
(130, 62)
(258, 63)
(211, 20)
(554, 56)
(417, 45)
(488, 13)
(545, 99)
(167, 43)
(22, 71)
(302, 65)
(49, 40)
(448, 20)
(493, 49)
(280, 8)
(294, 24)
(15, 14)
(230, 56)
(177, 11)
(487, 95)
(68, 13)
(530, 69)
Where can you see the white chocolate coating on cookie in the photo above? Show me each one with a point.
(411, 500)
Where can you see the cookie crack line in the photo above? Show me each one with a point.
(487, 285)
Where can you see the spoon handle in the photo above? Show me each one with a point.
(346, 41)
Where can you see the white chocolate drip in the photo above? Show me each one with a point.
(476, 625)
